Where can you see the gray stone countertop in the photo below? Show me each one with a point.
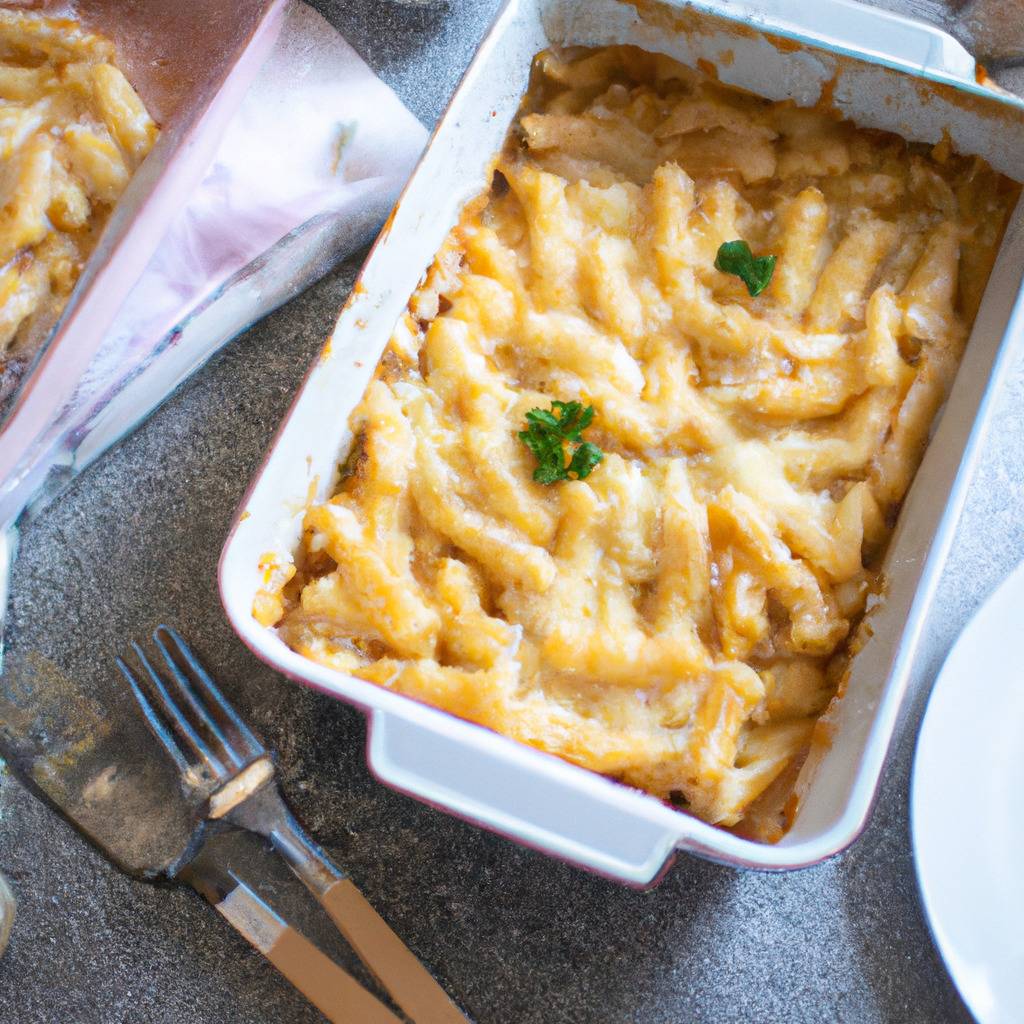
(518, 938)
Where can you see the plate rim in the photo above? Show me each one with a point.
(941, 942)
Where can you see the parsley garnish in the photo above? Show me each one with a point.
(547, 434)
(736, 258)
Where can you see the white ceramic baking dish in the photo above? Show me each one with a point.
(880, 70)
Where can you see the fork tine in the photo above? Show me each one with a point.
(153, 720)
(200, 710)
(177, 716)
(215, 700)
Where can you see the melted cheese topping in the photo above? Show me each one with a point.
(72, 133)
(679, 619)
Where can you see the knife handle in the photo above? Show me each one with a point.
(335, 993)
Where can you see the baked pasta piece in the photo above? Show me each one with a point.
(72, 133)
(673, 607)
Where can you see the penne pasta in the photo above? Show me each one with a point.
(72, 133)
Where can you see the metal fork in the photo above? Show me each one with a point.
(220, 759)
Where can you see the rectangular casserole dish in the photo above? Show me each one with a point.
(192, 65)
(876, 69)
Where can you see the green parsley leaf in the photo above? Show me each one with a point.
(548, 433)
(736, 258)
(584, 459)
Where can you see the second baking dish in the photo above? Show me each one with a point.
(191, 67)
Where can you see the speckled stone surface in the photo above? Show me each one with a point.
(518, 938)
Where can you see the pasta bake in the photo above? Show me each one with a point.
(622, 483)
(72, 133)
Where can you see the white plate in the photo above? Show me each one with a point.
(967, 809)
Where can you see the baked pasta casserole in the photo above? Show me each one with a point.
(72, 133)
(622, 482)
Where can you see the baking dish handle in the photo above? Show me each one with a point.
(494, 782)
(854, 27)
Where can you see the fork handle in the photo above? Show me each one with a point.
(334, 992)
(304, 857)
(394, 965)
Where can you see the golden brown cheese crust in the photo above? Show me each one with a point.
(679, 619)
(72, 133)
